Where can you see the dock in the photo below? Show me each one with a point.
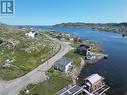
(99, 56)
(77, 90)
(73, 90)
(93, 85)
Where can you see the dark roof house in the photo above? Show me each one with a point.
(82, 50)
(64, 64)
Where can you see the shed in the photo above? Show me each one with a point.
(94, 78)
(94, 82)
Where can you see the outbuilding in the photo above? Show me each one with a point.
(94, 82)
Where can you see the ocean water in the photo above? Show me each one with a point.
(114, 69)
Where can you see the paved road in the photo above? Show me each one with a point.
(37, 74)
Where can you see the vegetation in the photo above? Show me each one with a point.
(75, 57)
(114, 27)
(28, 52)
(56, 82)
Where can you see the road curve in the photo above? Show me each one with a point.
(37, 74)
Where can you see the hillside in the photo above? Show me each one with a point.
(23, 50)
(113, 27)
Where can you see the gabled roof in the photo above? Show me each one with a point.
(86, 46)
(63, 61)
(82, 48)
(94, 78)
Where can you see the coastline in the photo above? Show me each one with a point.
(74, 75)
(98, 51)
(119, 28)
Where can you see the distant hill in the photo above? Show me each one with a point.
(7, 28)
(113, 27)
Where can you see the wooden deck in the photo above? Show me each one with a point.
(76, 90)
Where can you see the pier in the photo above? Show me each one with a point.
(77, 90)
(93, 85)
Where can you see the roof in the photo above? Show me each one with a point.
(82, 48)
(94, 78)
(83, 45)
(71, 90)
(63, 61)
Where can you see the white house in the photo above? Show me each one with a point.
(63, 64)
(71, 39)
(31, 34)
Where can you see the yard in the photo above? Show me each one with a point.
(56, 82)
(75, 57)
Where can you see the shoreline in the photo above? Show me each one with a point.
(119, 28)
(78, 66)
(85, 64)
(99, 53)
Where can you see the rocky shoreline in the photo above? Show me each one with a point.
(99, 53)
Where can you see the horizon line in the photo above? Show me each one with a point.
(63, 23)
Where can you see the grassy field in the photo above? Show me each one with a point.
(56, 82)
(75, 57)
(41, 48)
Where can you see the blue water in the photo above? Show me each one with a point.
(114, 69)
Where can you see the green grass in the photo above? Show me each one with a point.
(30, 61)
(75, 44)
(25, 61)
(8, 74)
(56, 82)
(75, 57)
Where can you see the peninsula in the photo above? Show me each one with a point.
(120, 28)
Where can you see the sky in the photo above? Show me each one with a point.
(50, 12)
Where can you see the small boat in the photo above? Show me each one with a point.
(106, 56)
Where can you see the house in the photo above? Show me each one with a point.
(64, 64)
(94, 83)
(71, 39)
(83, 50)
(31, 34)
(89, 47)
